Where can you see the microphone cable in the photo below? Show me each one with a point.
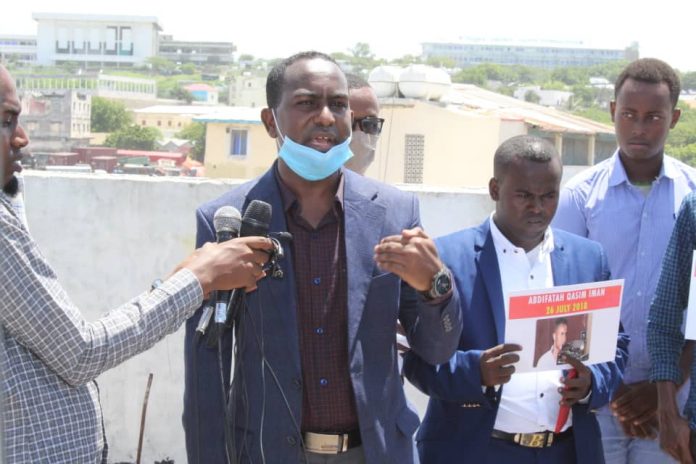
(276, 381)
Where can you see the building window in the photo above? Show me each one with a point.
(238, 145)
(62, 44)
(413, 158)
(126, 42)
(111, 38)
(159, 123)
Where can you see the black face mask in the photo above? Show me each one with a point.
(12, 187)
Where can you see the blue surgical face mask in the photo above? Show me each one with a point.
(311, 164)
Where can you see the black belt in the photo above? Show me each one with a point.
(329, 443)
(533, 440)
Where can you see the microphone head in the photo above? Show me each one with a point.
(257, 219)
(227, 219)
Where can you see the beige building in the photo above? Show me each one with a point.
(170, 119)
(451, 142)
(236, 143)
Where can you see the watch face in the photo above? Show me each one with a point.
(443, 284)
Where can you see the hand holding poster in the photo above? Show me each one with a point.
(578, 320)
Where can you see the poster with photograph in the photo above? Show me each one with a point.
(578, 320)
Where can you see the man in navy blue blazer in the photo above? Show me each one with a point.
(315, 361)
(480, 411)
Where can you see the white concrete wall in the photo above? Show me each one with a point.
(109, 236)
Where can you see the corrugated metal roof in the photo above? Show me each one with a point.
(473, 98)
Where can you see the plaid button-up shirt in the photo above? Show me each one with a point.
(52, 355)
(665, 336)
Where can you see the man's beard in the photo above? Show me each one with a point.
(12, 187)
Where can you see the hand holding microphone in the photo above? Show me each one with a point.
(232, 262)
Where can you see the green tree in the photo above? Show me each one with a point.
(571, 76)
(362, 50)
(595, 113)
(473, 75)
(195, 132)
(441, 62)
(406, 60)
(108, 115)
(134, 137)
(531, 96)
(182, 94)
(188, 68)
(554, 85)
(688, 80)
(160, 65)
(684, 133)
(685, 153)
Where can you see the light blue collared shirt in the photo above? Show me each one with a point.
(634, 229)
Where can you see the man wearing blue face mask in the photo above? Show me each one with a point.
(315, 362)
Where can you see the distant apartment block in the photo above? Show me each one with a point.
(17, 48)
(184, 51)
(57, 121)
(95, 40)
(528, 53)
(100, 85)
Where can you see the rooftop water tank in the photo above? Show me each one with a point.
(384, 80)
(424, 82)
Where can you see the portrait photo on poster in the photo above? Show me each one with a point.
(562, 335)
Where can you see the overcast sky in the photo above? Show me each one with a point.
(276, 28)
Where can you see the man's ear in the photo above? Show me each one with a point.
(676, 114)
(612, 109)
(269, 122)
(493, 189)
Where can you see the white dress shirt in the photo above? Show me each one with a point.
(529, 402)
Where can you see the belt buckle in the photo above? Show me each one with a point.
(534, 440)
(321, 443)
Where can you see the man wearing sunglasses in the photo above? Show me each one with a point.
(366, 124)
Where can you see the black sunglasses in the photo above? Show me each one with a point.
(369, 125)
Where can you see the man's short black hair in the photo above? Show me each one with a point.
(652, 71)
(527, 147)
(356, 81)
(560, 321)
(276, 78)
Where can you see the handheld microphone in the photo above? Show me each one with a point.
(256, 220)
(255, 223)
(227, 223)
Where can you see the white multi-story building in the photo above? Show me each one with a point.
(198, 52)
(541, 54)
(96, 40)
(17, 48)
